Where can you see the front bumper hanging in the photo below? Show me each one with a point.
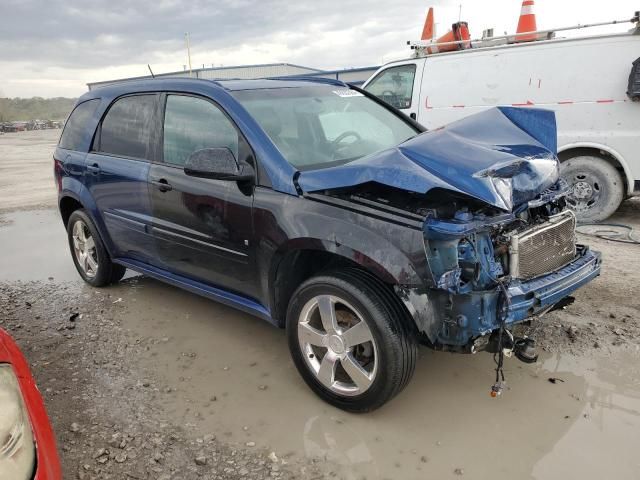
(464, 317)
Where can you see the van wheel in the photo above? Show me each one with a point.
(89, 255)
(351, 340)
(596, 186)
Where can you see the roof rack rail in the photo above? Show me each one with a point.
(304, 78)
(542, 35)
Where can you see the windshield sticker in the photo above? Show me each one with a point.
(346, 92)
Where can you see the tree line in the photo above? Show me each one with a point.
(36, 108)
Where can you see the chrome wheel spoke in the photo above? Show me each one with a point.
(85, 262)
(358, 374)
(91, 263)
(327, 371)
(89, 244)
(308, 334)
(357, 334)
(327, 313)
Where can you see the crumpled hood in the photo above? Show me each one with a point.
(503, 156)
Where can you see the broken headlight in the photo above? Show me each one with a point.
(17, 449)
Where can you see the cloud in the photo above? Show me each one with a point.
(68, 43)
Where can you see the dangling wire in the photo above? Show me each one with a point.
(504, 307)
(503, 314)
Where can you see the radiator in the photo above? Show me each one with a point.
(543, 248)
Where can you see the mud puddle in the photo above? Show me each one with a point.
(232, 375)
(34, 246)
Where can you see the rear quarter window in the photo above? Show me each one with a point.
(126, 129)
(75, 129)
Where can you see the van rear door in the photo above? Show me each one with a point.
(399, 85)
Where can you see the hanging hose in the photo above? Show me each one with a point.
(609, 234)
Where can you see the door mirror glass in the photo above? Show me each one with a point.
(217, 163)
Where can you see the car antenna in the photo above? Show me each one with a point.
(151, 71)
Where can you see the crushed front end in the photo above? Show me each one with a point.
(499, 240)
(493, 270)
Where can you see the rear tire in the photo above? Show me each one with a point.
(596, 186)
(88, 252)
(369, 354)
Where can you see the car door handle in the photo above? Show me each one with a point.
(162, 185)
(93, 169)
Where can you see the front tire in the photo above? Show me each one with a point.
(88, 252)
(351, 340)
(596, 186)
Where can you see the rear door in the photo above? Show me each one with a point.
(117, 170)
(399, 86)
(203, 228)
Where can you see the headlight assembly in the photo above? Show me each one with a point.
(17, 449)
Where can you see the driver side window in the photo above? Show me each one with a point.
(191, 124)
(394, 85)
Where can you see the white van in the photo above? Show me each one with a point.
(584, 80)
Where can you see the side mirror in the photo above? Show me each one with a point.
(218, 164)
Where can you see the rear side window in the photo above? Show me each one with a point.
(191, 124)
(76, 126)
(126, 129)
(394, 85)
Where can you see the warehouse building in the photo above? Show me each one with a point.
(267, 70)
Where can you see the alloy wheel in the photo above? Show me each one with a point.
(84, 249)
(337, 345)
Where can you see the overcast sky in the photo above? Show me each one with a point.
(54, 47)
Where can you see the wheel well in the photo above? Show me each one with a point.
(596, 152)
(68, 205)
(294, 268)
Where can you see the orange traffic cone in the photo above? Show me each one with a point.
(459, 31)
(526, 23)
(427, 30)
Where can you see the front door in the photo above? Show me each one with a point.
(203, 228)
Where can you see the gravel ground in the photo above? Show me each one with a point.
(107, 417)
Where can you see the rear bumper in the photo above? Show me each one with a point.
(464, 317)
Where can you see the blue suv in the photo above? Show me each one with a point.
(318, 207)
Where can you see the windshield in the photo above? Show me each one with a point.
(322, 126)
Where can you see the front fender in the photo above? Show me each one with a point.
(385, 247)
(392, 267)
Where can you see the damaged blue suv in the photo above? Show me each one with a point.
(316, 206)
